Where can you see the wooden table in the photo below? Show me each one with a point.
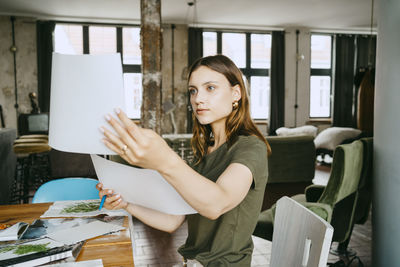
(115, 249)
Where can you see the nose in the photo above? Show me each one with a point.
(199, 98)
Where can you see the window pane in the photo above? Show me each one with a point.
(131, 46)
(234, 47)
(102, 40)
(68, 39)
(259, 97)
(133, 94)
(209, 43)
(320, 96)
(320, 52)
(261, 51)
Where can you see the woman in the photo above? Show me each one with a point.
(227, 180)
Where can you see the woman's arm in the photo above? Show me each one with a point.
(148, 150)
(156, 219)
(208, 198)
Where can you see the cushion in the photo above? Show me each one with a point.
(302, 130)
(331, 137)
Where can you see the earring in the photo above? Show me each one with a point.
(235, 105)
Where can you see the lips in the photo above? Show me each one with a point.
(200, 111)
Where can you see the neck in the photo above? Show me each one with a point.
(218, 129)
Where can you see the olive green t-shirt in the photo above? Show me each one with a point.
(227, 241)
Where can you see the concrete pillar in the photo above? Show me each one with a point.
(150, 34)
(386, 211)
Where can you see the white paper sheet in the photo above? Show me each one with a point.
(11, 252)
(84, 88)
(85, 231)
(140, 186)
(89, 263)
(58, 209)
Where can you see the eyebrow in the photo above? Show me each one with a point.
(190, 85)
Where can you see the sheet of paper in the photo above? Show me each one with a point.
(42, 227)
(90, 263)
(79, 208)
(11, 233)
(140, 186)
(82, 232)
(84, 88)
(13, 251)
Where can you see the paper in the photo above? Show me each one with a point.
(82, 232)
(79, 208)
(84, 88)
(140, 186)
(14, 232)
(42, 227)
(90, 263)
(26, 248)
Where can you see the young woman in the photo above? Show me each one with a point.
(226, 181)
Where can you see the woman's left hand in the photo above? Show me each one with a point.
(138, 146)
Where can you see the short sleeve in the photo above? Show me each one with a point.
(251, 152)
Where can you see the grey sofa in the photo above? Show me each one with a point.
(291, 167)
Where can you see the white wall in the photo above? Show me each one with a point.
(26, 62)
(386, 212)
(297, 117)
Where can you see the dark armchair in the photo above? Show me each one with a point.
(291, 167)
(336, 202)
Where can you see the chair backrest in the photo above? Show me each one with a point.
(300, 237)
(345, 173)
(67, 189)
(341, 192)
(292, 159)
(365, 186)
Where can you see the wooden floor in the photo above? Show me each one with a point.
(156, 248)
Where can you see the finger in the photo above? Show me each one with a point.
(99, 186)
(123, 138)
(121, 205)
(127, 155)
(105, 192)
(131, 127)
(120, 129)
(116, 203)
(115, 140)
(114, 197)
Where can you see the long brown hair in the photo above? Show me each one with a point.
(238, 122)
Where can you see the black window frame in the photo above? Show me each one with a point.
(248, 71)
(323, 72)
(126, 68)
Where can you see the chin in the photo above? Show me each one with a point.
(204, 121)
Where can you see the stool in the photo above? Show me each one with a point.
(33, 165)
(35, 136)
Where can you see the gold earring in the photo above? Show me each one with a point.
(235, 105)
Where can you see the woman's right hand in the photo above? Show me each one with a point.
(113, 201)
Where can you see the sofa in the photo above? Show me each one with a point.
(291, 167)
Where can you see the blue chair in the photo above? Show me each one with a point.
(67, 189)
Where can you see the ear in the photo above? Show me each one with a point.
(236, 93)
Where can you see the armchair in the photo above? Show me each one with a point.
(291, 167)
(337, 201)
(364, 199)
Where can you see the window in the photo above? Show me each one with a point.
(321, 76)
(77, 39)
(251, 52)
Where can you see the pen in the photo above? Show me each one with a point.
(102, 202)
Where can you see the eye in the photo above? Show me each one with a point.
(211, 87)
(192, 91)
